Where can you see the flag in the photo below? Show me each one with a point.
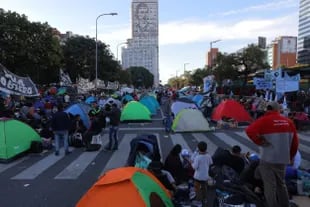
(65, 79)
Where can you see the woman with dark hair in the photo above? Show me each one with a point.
(173, 164)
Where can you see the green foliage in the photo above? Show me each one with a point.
(29, 48)
(141, 77)
(198, 75)
(226, 67)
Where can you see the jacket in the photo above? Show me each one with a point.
(280, 134)
(61, 121)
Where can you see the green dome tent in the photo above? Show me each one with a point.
(135, 111)
(190, 120)
(15, 138)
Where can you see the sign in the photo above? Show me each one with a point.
(13, 84)
(209, 84)
(262, 84)
(283, 86)
(273, 74)
(65, 79)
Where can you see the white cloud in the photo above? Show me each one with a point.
(274, 5)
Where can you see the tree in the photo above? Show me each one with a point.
(80, 60)
(141, 77)
(29, 48)
(250, 60)
(125, 77)
(197, 76)
(225, 67)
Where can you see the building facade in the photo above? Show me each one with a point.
(304, 32)
(142, 49)
(211, 56)
(282, 52)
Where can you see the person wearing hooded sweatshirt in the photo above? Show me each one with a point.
(277, 137)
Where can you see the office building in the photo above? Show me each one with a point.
(142, 49)
(282, 52)
(211, 57)
(304, 32)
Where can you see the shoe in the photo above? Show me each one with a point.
(67, 152)
(56, 153)
(106, 149)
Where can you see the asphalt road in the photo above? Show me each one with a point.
(44, 180)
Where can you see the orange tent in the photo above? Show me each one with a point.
(126, 186)
(233, 109)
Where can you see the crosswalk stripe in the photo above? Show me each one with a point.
(229, 140)
(179, 139)
(39, 167)
(304, 137)
(76, 168)
(159, 146)
(201, 137)
(120, 156)
(4, 167)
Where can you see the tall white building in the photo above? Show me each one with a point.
(142, 49)
(303, 44)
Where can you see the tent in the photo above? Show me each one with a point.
(15, 138)
(150, 105)
(90, 99)
(233, 109)
(127, 98)
(154, 100)
(198, 99)
(135, 111)
(82, 110)
(183, 103)
(126, 186)
(190, 120)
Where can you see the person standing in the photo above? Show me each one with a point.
(61, 125)
(114, 115)
(277, 137)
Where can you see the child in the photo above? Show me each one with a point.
(201, 164)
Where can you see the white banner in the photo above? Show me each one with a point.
(273, 74)
(261, 83)
(283, 86)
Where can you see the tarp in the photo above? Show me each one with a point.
(126, 186)
(150, 105)
(135, 111)
(190, 120)
(82, 110)
(183, 103)
(233, 109)
(14, 84)
(15, 138)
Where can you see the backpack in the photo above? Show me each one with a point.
(36, 147)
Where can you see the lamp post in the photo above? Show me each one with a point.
(119, 44)
(211, 56)
(184, 67)
(96, 64)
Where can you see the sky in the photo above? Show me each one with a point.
(186, 27)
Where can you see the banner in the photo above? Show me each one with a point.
(13, 84)
(262, 84)
(273, 74)
(65, 79)
(283, 86)
(291, 78)
(209, 84)
(112, 85)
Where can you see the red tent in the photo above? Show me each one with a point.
(233, 109)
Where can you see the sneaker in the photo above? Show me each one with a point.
(56, 153)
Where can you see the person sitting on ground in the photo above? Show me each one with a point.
(173, 164)
(46, 135)
(233, 158)
(227, 122)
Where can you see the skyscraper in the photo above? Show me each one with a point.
(142, 48)
(304, 32)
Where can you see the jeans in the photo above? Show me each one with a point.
(168, 123)
(64, 135)
(113, 142)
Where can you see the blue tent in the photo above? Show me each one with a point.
(154, 100)
(149, 104)
(82, 110)
(127, 98)
(90, 99)
(198, 99)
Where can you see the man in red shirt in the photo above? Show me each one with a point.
(277, 137)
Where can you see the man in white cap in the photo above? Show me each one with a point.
(277, 138)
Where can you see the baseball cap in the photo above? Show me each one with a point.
(273, 105)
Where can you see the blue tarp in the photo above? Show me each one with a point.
(82, 110)
(198, 99)
(90, 99)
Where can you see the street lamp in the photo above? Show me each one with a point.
(211, 56)
(184, 66)
(104, 14)
(119, 44)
